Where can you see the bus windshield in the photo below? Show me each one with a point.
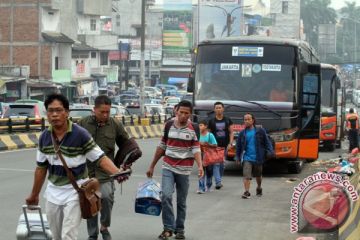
(245, 72)
(327, 91)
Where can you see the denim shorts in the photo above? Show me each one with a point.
(251, 169)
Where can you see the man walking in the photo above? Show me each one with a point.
(352, 126)
(251, 147)
(222, 128)
(76, 145)
(179, 146)
(106, 132)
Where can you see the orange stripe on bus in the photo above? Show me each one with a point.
(309, 148)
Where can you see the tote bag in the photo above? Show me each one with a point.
(213, 155)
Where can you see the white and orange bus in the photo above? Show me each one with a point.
(332, 108)
(278, 80)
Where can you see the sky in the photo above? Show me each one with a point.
(337, 4)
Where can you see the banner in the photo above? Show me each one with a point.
(177, 32)
(220, 18)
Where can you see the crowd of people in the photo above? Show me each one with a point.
(89, 151)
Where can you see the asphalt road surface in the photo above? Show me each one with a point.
(220, 214)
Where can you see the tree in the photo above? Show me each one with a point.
(350, 22)
(313, 13)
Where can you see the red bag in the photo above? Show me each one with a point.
(213, 155)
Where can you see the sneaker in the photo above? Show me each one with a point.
(246, 195)
(200, 191)
(259, 192)
(217, 187)
(180, 235)
(105, 234)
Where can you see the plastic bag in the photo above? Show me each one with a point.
(148, 198)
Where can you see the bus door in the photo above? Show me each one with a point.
(309, 104)
(341, 101)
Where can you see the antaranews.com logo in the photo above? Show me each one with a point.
(322, 202)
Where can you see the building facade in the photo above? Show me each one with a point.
(285, 18)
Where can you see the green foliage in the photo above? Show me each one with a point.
(313, 13)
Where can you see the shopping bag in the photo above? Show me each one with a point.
(148, 198)
(213, 155)
(231, 151)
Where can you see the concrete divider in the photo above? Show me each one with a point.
(31, 139)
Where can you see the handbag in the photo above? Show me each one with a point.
(213, 155)
(231, 151)
(89, 191)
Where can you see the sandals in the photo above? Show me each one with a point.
(165, 235)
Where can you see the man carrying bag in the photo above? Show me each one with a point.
(76, 145)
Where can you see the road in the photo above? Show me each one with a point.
(220, 214)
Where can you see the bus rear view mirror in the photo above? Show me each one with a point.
(190, 85)
(304, 67)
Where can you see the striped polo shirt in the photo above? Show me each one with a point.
(180, 147)
(76, 146)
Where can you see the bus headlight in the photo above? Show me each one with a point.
(327, 126)
(283, 136)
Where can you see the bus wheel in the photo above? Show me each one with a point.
(295, 166)
(331, 146)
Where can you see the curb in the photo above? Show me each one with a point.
(31, 140)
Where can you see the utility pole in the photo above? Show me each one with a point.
(142, 57)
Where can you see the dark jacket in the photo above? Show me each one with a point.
(106, 137)
(262, 142)
(128, 153)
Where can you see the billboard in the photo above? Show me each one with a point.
(177, 32)
(220, 18)
(152, 49)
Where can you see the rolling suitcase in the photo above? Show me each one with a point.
(33, 226)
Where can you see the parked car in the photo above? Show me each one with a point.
(78, 111)
(3, 107)
(168, 90)
(153, 101)
(172, 101)
(134, 110)
(39, 103)
(153, 92)
(19, 112)
(119, 111)
(188, 97)
(154, 109)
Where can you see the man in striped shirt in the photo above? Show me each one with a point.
(180, 147)
(76, 145)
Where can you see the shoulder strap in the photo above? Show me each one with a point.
(68, 172)
(196, 129)
(167, 127)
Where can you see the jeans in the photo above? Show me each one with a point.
(206, 179)
(64, 220)
(353, 139)
(170, 180)
(218, 171)
(107, 190)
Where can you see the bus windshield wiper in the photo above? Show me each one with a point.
(263, 107)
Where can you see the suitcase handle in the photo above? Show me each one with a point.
(33, 207)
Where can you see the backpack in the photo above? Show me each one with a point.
(168, 125)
